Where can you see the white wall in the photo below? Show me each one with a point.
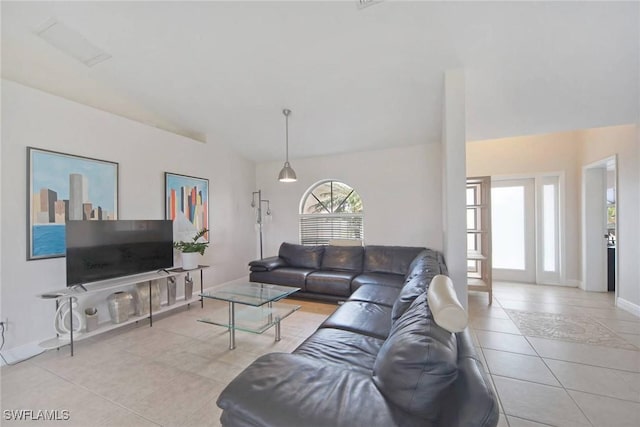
(34, 118)
(598, 144)
(400, 188)
(529, 155)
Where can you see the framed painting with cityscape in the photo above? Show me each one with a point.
(65, 187)
(186, 204)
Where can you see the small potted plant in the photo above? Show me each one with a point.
(191, 250)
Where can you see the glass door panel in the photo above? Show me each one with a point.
(549, 227)
(508, 227)
(550, 248)
(513, 230)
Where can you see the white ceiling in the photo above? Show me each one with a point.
(354, 79)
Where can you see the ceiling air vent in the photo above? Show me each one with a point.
(71, 42)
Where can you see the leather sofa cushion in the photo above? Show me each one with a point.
(343, 258)
(389, 259)
(330, 282)
(286, 276)
(267, 264)
(382, 279)
(412, 289)
(426, 261)
(417, 362)
(348, 349)
(283, 390)
(365, 318)
(301, 256)
(418, 258)
(384, 295)
(422, 270)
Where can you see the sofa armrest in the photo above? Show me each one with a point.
(267, 264)
(281, 389)
(470, 401)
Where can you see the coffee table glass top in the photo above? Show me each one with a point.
(250, 293)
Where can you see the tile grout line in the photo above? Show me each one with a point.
(529, 381)
(593, 366)
(602, 395)
(539, 357)
(533, 421)
(484, 358)
(579, 407)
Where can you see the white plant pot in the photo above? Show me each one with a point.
(190, 260)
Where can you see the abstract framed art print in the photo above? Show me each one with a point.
(186, 204)
(63, 187)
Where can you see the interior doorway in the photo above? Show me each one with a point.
(599, 225)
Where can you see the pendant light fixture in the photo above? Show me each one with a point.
(287, 173)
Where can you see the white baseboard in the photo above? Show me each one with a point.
(575, 283)
(20, 353)
(628, 306)
(567, 284)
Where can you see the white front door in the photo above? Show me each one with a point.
(513, 230)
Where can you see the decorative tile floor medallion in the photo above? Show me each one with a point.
(563, 327)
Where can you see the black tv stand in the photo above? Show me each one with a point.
(81, 286)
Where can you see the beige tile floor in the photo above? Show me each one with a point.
(171, 374)
(559, 376)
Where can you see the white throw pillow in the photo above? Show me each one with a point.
(443, 302)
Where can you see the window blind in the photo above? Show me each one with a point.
(320, 229)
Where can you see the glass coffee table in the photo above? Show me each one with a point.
(261, 309)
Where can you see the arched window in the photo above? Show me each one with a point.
(330, 210)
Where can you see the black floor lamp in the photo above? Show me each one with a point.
(259, 218)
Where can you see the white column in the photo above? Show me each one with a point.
(454, 180)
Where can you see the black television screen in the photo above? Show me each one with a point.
(98, 250)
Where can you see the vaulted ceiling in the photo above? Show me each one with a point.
(354, 79)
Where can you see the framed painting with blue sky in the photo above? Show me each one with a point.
(64, 187)
(186, 204)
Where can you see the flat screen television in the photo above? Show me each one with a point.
(98, 250)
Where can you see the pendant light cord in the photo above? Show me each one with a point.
(286, 113)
